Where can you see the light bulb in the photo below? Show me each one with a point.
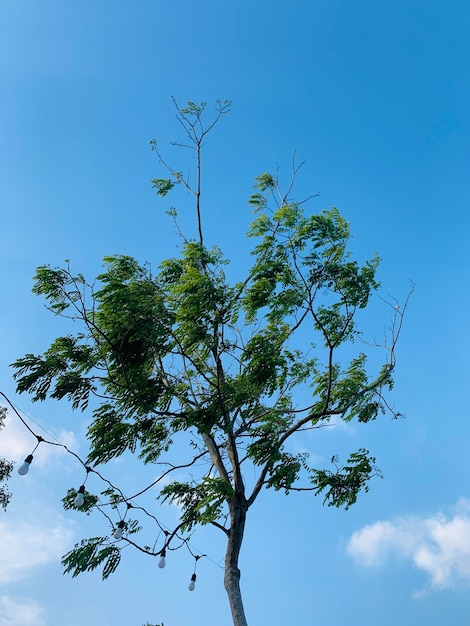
(24, 467)
(117, 534)
(161, 560)
(192, 583)
(80, 497)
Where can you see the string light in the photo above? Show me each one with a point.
(119, 531)
(24, 467)
(192, 582)
(161, 560)
(80, 497)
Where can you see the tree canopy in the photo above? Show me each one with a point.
(235, 369)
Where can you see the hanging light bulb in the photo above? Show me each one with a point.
(117, 534)
(161, 560)
(192, 583)
(24, 467)
(80, 497)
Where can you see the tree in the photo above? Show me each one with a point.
(232, 370)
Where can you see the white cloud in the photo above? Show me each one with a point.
(374, 544)
(30, 543)
(16, 442)
(33, 533)
(438, 545)
(20, 612)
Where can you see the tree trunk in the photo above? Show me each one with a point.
(232, 573)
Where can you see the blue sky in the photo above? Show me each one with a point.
(375, 97)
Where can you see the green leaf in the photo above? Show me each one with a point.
(163, 185)
(193, 109)
(87, 555)
(265, 181)
(342, 487)
(112, 563)
(201, 503)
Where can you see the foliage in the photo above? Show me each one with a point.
(235, 368)
(89, 554)
(201, 503)
(342, 487)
